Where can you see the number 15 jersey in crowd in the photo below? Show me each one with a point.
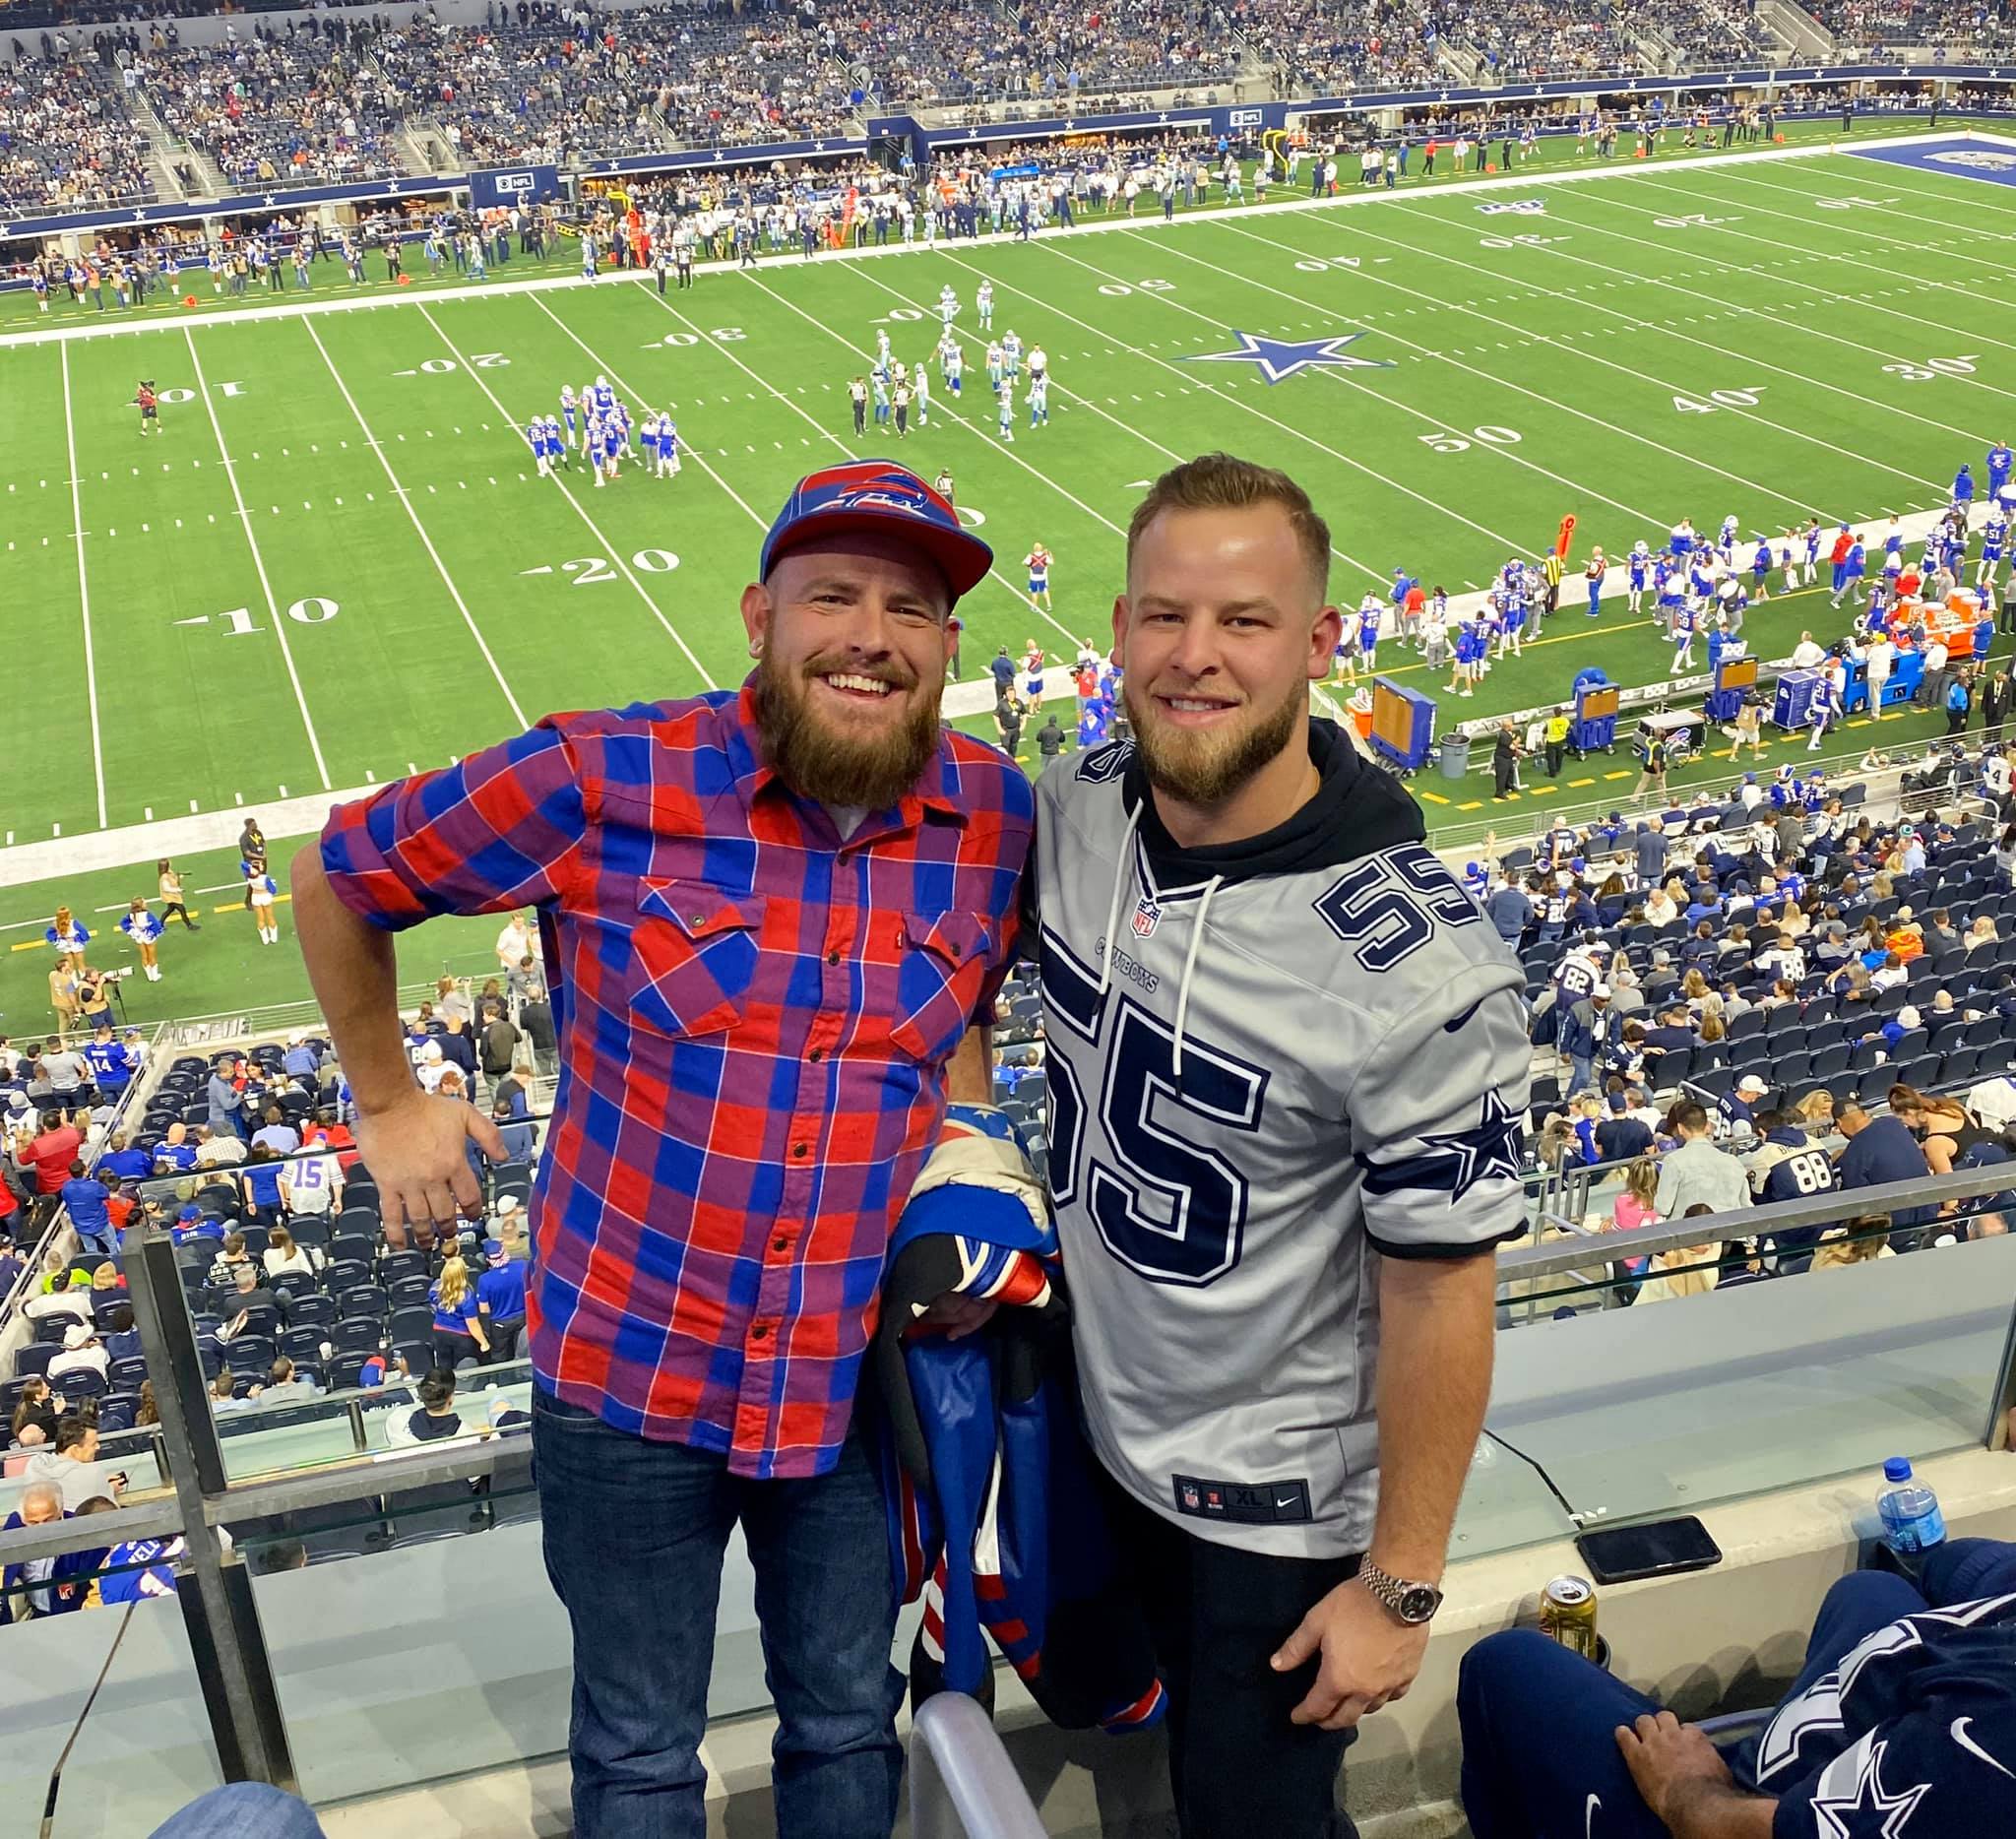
(1271, 1062)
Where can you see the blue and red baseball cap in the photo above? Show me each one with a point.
(881, 496)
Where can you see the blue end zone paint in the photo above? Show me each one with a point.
(1959, 159)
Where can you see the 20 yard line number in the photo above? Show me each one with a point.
(585, 570)
(440, 366)
(238, 622)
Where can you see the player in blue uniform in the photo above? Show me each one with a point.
(1994, 540)
(1369, 609)
(1893, 552)
(612, 444)
(2002, 464)
(605, 396)
(1963, 492)
(1685, 620)
(536, 439)
(1727, 541)
(557, 450)
(1683, 540)
(1760, 570)
(1812, 539)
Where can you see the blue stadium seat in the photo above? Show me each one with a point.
(250, 1354)
(362, 1300)
(358, 1334)
(1828, 1064)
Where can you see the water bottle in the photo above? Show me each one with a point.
(1911, 1521)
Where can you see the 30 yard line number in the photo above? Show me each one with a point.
(725, 335)
(1932, 368)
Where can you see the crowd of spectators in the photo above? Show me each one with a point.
(1872, 24)
(1522, 38)
(1132, 45)
(1707, 33)
(1326, 48)
(65, 138)
(1768, 972)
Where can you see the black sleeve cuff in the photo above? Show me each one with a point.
(1446, 1251)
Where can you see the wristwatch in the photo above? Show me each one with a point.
(1411, 1602)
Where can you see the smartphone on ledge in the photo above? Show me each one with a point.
(1623, 1554)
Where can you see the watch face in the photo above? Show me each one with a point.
(1418, 1603)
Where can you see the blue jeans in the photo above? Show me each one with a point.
(243, 1810)
(1538, 1721)
(633, 1536)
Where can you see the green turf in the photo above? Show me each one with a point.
(469, 596)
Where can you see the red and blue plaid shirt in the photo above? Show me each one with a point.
(754, 1019)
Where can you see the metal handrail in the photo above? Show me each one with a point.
(1832, 1208)
(961, 1780)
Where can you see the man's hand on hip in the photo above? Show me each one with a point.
(1368, 1658)
(417, 1149)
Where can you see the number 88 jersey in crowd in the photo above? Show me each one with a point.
(1270, 1063)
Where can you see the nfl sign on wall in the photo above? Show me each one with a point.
(1244, 117)
(506, 186)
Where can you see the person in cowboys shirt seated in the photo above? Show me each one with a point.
(1901, 1725)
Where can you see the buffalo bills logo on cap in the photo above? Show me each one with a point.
(867, 494)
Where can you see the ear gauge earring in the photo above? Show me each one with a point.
(755, 648)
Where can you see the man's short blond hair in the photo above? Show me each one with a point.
(1221, 481)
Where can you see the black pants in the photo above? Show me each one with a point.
(860, 417)
(504, 1336)
(1555, 749)
(1238, 1768)
(174, 910)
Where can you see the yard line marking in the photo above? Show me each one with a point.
(975, 428)
(1510, 544)
(993, 574)
(1594, 306)
(1916, 318)
(615, 555)
(279, 627)
(419, 530)
(91, 668)
(1831, 293)
(1666, 448)
(1086, 401)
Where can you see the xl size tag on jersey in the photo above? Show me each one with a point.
(1243, 1503)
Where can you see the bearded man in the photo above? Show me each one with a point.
(774, 922)
(1287, 1067)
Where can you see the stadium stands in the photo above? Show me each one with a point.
(65, 138)
(1517, 38)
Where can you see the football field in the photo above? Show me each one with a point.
(334, 564)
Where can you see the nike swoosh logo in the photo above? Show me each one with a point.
(1966, 1743)
(1589, 1810)
(1451, 1026)
(1288, 1501)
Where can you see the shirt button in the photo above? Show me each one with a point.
(833, 957)
(780, 1244)
(761, 1332)
(816, 1055)
(799, 1150)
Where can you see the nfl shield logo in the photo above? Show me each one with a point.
(1147, 916)
(1191, 1498)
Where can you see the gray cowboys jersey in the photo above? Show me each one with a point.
(1269, 1061)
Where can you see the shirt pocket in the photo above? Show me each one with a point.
(938, 983)
(694, 952)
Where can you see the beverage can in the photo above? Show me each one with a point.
(1567, 1614)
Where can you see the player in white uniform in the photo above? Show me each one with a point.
(1288, 1070)
(948, 306)
(984, 305)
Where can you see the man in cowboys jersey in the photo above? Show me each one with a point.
(1287, 1065)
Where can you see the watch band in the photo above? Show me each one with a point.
(1413, 1603)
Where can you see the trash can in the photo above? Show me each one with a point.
(1455, 755)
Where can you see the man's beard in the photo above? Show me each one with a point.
(819, 762)
(1208, 766)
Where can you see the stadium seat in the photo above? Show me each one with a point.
(408, 1292)
(301, 1344)
(354, 1221)
(358, 1335)
(311, 1309)
(250, 1354)
(1828, 1064)
(35, 1358)
(1793, 1071)
(343, 1274)
(1749, 1025)
(352, 1249)
(345, 1370)
(1825, 1035)
(116, 1412)
(1923, 1072)
(83, 1383)
(123, 1346)
(1961, 1066)
(1780, 1021)
(1718, 1081)
(362, 1299)
(1909, 1045)
(393, 1265)
(127, 1372)
(411, 1325)
(309, 1231)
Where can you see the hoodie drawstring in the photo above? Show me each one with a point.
(1210, 887)
(1121, 868)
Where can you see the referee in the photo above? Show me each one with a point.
(1551, 566)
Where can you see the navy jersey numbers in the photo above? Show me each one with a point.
(1388, 905)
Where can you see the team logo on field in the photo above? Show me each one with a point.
(1524, 207)
(1981, 162)
(1278, 359)
(1147, 916)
